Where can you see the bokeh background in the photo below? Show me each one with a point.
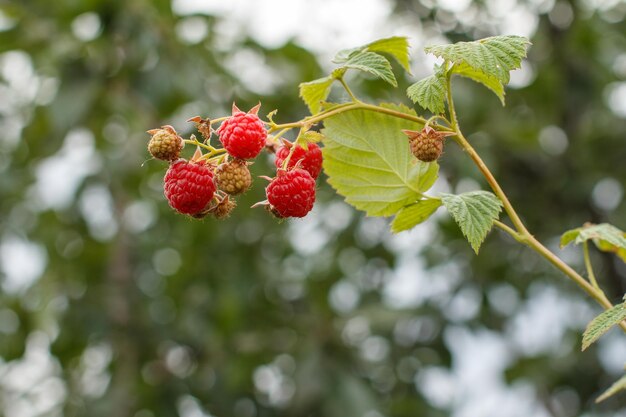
(113, 305)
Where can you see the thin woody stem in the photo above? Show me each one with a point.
(521, 234)
(462, 141)
(311, 120)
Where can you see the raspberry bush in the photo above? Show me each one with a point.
(368, 160)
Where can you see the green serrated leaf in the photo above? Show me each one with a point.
(603, 323)
(429, 93)
(372, 63)
(310, 136)
(489, 81)
(606, 237)
(410, 216)
(368, 161)
(474, 212)
(619, 385)
(397, 47)
(315, 92)
(496, 56)
(343, 55)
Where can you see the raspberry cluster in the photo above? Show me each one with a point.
(207, 182)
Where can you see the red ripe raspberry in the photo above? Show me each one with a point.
(291, 193)
(310, 159)
(243, 134)
(189, 186)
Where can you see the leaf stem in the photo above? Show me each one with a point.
(589, 266)
(348, 90)
(516, 235)
(359, 105)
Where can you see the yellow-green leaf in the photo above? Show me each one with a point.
(310, 136)
(372, 63)
(368, 161)
(606, 237)
(396, 46)
(489, 81)
(410, 216)
(315, 92)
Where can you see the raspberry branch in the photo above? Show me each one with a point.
(521, 233)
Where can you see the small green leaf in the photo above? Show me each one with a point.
(606, 237)
(397, 47)
(315, 92)
(489, 81)
(429, 93)
(619, 385)
(368, 161)
(373, 63)
(474, 212)
(603, 323)
(343, 55)
(568, 237)
(310, 136)
(410, 216)
(496, 56)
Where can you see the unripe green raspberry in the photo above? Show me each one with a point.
(233, 177)
(426, 144)
(165, 144)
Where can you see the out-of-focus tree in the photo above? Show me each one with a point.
(112, 304)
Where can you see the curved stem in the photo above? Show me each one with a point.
(200, 144)
(493, 183)
(595, 292)
(462, 141)
(516, 235)
(589, 266)
(280, 135)
(353, 106)
(316, 118)
(522, 234)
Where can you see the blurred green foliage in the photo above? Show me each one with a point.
(145, 313)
